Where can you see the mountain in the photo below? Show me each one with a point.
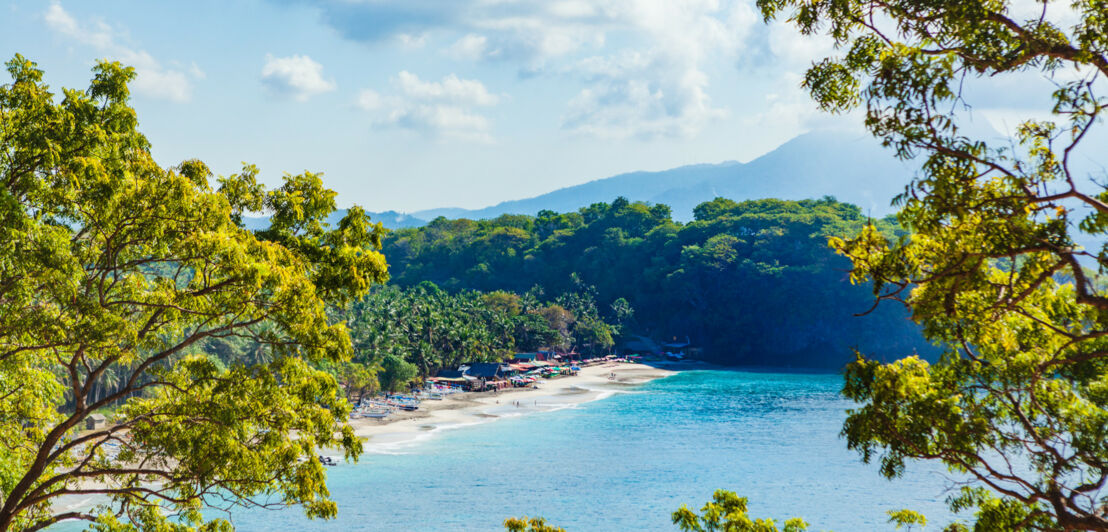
(852, 167)
(390, 219)
(643, 186)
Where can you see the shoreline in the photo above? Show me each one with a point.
(405, 429)
(592, 383)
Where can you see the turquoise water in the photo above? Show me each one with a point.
(626, 462)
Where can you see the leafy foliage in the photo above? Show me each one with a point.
(396, 372)
(1005, 265)
(907, 519)
(727, 512)
(113, 271)
(753, 282)
(434, 329)
(535, 524)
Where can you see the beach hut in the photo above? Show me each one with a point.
(450, 374)
(454, 377)
(96, 421)
(491, 374)
(485, 370)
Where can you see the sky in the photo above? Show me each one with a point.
(417, 104)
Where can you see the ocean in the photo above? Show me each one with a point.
(628, 461)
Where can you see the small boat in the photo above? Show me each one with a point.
(328, 460)
(379, 413)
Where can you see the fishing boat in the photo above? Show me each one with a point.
(377, 413)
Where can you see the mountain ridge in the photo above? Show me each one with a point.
(811, 165)
(852, 167)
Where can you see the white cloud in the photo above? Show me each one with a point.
(450, 90)
(152, 78)
(471, 47)
(640, 95)
(792, 49)
(439, 109)
(412, 42)
(369, 100)
(297, 76)
(662, 90)
(196, 72)
(661, 50)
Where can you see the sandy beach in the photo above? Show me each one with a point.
(458, 410)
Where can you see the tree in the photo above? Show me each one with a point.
(396, 372)
(506, 302)
(113, 271)
(560, 320)
(729, 281)
(356, 379)
(728, 512)
(906, 519)
(1004, 268)
(624, 314)
(534, 524)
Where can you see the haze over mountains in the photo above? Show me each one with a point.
(852, 167)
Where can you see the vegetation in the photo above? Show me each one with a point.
(1005, 264)
(728, 512)
(535, 524)
(753, 282)
(112, 271)
(430, 329)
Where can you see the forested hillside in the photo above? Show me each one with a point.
(405, 334)
(752, 282)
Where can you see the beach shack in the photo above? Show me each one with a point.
(490, 374)
(678, 350)
(453, 377)
(96, 421)
(521, 367)
(525, 357)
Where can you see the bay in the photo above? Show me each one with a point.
(628, 461)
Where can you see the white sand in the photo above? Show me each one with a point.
(458, 410)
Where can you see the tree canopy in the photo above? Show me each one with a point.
(433, 329)
(753, 282)
(113, 271)
(1005, 263)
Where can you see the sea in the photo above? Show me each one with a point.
(628, 461)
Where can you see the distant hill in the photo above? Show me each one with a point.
(390, 219)
(852, 167)
(641, 186)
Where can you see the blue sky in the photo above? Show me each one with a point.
(431, 103)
